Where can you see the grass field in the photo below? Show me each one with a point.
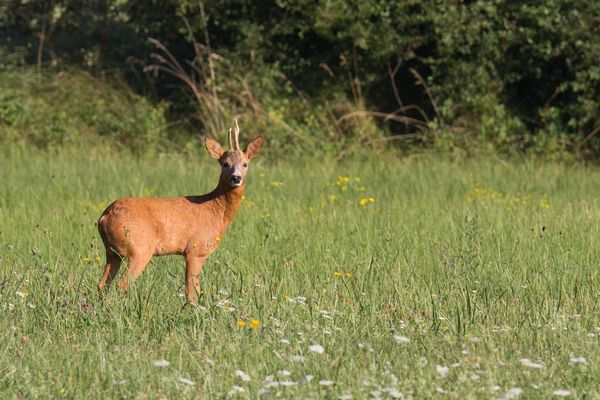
(379, 278)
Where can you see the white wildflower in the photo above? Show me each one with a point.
(561, 393)
(30, 305)
(316, 348)
(297, 358)
(305, 379)
(242, 375)
(401, 339)
(186, 381)
(298, 300)
(526, 362)
(284, 341)
(578, 360)
(161, 363)
(441, 390)
(235, 390)
(287, 383)
(442, 370)
(512, 394)
(223, 303)
(394, 393)
(284, 372)
(325, 382)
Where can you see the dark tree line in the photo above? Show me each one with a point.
(503, 69)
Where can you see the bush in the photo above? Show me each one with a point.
(500, 71)
(74, 107)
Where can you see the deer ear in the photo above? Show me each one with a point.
(254, 147)
(214, 148)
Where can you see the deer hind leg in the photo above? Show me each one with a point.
(193, 266)
(113, 263)
(136, 263)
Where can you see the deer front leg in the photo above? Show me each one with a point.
(193, 265)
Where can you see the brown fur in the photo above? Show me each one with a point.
(135, 229)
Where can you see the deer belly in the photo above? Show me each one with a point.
(169, 245)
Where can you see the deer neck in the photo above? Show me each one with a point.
(226, 201)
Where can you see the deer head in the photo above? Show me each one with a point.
(234, 162)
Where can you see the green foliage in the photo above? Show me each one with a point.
(479, 264)
(500, 71)
(74, 107)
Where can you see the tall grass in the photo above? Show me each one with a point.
(421, 277)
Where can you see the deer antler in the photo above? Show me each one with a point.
(237, 135)
(230, 139)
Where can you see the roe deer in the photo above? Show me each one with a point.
(135, 229)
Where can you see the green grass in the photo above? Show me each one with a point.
(480, 264)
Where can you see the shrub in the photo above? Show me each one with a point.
(75, 107)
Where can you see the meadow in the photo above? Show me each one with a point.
(376, 277)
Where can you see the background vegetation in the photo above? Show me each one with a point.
(321, 76)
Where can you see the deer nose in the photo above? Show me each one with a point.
(236, 179)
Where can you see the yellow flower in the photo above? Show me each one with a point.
(241, 324)
(345, 179)
(332, 197)
(255, 324)
(243, 197)
(357, 179)
(285, 297)
(276, 184)
(344, 188)
(98, 258)
(218, 238)
(337, 274)
(22, 294)
(311, 209)
(363, 202)
(86, 259)
(347, 274)
(371, 199)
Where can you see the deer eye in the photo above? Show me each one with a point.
(245, 165)
(225, 165)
